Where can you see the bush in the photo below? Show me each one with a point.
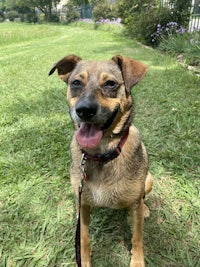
(2, 14)
(185, 43)
(165, 31)
(12, 15)
(104, 10)
(142, 17)
(142, 25)
(53, 18)
(30, 18)
(181, 11)
(72, 13)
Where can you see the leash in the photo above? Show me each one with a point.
(110, 155)
(78, 227)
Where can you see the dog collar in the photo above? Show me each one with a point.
(111, 154)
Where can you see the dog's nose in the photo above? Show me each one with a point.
(86, 110)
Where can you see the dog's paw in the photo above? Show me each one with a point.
(146, 211)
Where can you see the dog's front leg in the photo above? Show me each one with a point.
(137, 258)
(85, 239)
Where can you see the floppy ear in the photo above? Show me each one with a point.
(65, 66)
(132, 71)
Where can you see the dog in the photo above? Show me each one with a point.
(115, 171)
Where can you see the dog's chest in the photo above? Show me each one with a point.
(109, 193)
(100, 196)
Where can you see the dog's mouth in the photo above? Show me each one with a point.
(89, 135)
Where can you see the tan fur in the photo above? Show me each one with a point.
(123, 181)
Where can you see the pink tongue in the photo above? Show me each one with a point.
(88, 135)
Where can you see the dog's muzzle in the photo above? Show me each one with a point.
(92, 121)
(86, 110)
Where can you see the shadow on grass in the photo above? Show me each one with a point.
(165, 242)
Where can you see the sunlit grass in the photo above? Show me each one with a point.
(12, 33)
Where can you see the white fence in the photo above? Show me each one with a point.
(194, 22)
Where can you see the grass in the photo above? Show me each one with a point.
(36, 201)
(15, 34)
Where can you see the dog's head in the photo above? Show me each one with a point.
(99, 94)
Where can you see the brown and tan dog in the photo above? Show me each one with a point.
(116, 162)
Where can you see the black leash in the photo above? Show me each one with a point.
(78, 227)
(78, 233)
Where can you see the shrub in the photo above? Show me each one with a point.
(1, 19)
(165, 31)
(181, 11)
(104, 10)
(142, 17)
(185, 43)
(72, 13)
(53, 18)
(31, 17)
(12, 15)
(142, 25)
(2, 14)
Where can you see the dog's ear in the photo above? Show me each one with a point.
(133, 71)
(65, 66)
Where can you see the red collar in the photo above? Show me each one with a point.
(111, 154)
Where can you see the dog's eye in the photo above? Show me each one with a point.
(76, 84)
(110, 84)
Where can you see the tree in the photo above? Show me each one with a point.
(45, 6)
(104, 10)
(80, 2)
(2, 10)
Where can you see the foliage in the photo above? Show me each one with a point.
(45, 6)
(126, 8)
(79, 2)
(175, 39)
(183, 44)
(142, 25)
(142, 17)
(104, 10)
(12, 15)
(2, 10)
(30, 17)
(72, 12)
(171, 28)
(181, 11)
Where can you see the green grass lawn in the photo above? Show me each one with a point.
(37, 212)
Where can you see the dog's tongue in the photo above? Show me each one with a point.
(88, 135)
